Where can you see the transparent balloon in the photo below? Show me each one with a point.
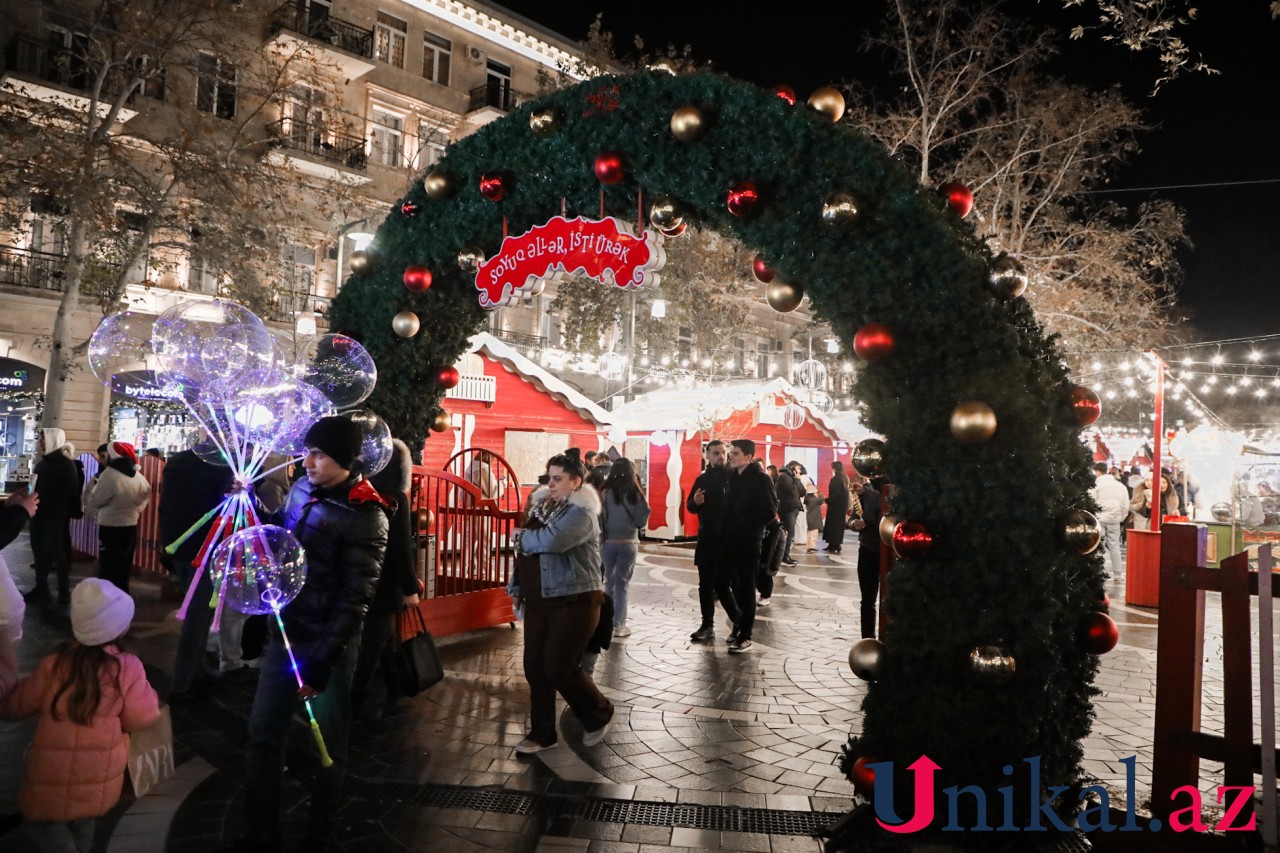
(259, 569)
(304, 406)
(375, 445)
(340, 367)
(121, 342)
(201, 341)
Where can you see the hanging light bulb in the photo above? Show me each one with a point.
(1187, 361)
(1246, 381)
(1217, 359)
(1097, 365)
(1232, 390)
(1254, 355)
(1260, 392)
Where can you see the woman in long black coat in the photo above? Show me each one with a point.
(837, 508)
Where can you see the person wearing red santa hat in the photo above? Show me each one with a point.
(116, 500)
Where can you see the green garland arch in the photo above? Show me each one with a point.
(999, 573)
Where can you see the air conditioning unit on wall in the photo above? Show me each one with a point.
(475, 54)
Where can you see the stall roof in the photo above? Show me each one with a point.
(687, 409)
(510, 358)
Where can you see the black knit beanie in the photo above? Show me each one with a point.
(340, 439)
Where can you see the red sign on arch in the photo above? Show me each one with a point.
(606, 250)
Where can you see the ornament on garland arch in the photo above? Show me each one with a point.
(611, 366)
(1105, 604)
(868, 457)
(664, 212)
(887, 524)
(417, 278)
(973, 422)
(1080, 531)
(873, 343)
(829, 102)
(1007, 277)
(689, 124)
(406, 324)
(864, 776)
(742, 199)
(788, 94)
(545, 122)
(448, 376)
(470, 257)
(762, 271)
(992, 664)
(441, 422)
(911, 539)
(409, 209)
(840, 210)
(426, 519)
(784, 296)
(1086, 405)
(674, 232)
(1100, 633)
(609, 168)
(439, 184)
(493, 186)
(866, 657)
(959, 197)
(361, 262)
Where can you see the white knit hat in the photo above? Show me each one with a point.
(100, 612)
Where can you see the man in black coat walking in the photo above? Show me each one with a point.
(705, 501)
(749, 505)
(57, 485)
(866, 521)
(790, 501)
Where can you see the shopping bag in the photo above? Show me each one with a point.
(151, 754)
(417, 663)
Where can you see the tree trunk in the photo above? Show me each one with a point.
(62, 347)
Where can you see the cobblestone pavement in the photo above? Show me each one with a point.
(707, 751)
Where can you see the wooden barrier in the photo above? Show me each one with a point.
(1179, 742)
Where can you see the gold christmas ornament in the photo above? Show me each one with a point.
(829, 102)
(406, 324)
(665, 212)
(1081, 532)
(360, 262)
(840, 210)
(992, 664)
(470, 257)
(439, 184)
(1007, 278)
(868, 457)
(688, 124)
(441, 422)
(973, 422)
(545, 122)
(865, 658)
(887, 523)
(784, 296)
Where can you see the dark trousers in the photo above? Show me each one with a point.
(737, 577)
(764, 583)
(48, 546)
(115, 554)
(556, 632)
(274, 706)
(189, 659)
(371, 688)
(869, 583)
(788, 518)
(709, 590)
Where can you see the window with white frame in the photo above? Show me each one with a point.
(437, 51)
(389, 37)
(215, 86)
(305, 118)
(202, 277)
(432, 141)
(299, 269)
(386, 137)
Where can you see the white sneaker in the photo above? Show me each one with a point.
(764, 602)
(622, 632)
(529, 746)
(593, 738)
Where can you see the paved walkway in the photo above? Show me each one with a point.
(707, 751)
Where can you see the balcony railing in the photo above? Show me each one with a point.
(496, 94)
(312, 23)
(60, 66)
(341, 149)
(521, 339)
(25, 268)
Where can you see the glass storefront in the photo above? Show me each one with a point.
(147, 416)
(21, 392)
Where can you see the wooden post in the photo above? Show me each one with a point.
(1179, 664)
(1237, 672)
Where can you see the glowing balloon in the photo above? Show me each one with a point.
(375, 446)
(201, 341)
(340, 367)
(264, 567)
(121, 342)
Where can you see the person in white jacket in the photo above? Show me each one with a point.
(116, 499)
(1113, 504)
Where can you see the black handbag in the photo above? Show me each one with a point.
(417, 662)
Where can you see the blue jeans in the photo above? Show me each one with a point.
(274, 706)
(50, 836)
(619, 559)
(1111, 545)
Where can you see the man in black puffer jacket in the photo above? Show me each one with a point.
(341, 522)
(750, 503)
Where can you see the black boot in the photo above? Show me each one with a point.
(705, 634)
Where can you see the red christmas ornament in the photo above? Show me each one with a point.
(742, 198)
(1086, 405)
(959, 197)
(911, 539)
(864, 778)
(417, 279)
(609, 167)
(873, 343)
(782, 90)
(409, 208)
(1106, 603)
(762, 271)
(493, 186)
(1100, 634)
(672, 233)
(448, 376)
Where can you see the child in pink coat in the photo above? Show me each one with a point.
(89, 695)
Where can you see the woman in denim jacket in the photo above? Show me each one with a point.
(559, 584)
